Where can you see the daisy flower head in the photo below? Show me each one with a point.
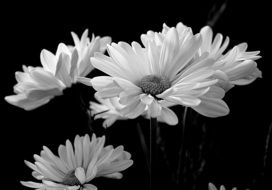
(236, 67)
(212, 187)
(75, 167)
(165, 72)
(108, 109)
(37, 85)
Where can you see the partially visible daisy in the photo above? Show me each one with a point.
(37, 85)
(75, 167)
(149, 79)
(237, 66)
(108, 109)
(86, 49)
(212, 187)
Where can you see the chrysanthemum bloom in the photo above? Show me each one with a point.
(212, 187)
(108, 109)
(37, 85)
(75, 167)
(163, 73)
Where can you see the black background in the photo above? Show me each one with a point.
(236, 142)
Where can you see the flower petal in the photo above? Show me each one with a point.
(212, 107)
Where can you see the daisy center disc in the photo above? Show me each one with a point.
(70, 179)
(154, 85)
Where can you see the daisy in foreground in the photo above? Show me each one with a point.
(37, 85)
(175, 67)
(153, 78)
(75, 167)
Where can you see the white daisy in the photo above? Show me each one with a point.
(150, 79)
(236, 67)
(108, 109)
(75, 167)
(212, 187)
(36, 86)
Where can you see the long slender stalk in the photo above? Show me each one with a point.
(152, 150)
(144, 146)
(181, 150)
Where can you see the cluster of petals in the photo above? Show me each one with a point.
(173, 67)
(107, 109)
(37, 85)
(74, 168)
(212, 187)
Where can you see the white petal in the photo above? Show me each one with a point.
(186, 53)
(63, 68)
(104, 42)
(168, 116)
(127, 86)
(154, 109)
(168, 50)
(89, 187)
(70, 155)
(49, 61)
(116, 175)
(73, 70)
(80, 175)
(32, 184)
(212, 107)
(212, 187)
(22, 101)
(84, 80)
(108, 66)
(78, 151)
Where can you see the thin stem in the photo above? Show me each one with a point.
(152, 149)
(267, 145)
(181, 150)
(143, 144)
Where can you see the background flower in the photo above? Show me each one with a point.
(75, 167)
(37, 85)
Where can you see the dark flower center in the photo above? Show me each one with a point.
(70, 179)
(154, 85)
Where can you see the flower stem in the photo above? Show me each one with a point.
(180, 166)
(152, 149)
(143, 144)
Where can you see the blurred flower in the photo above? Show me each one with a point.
(37, 85)
(236, 67)
(212, 187)
(163, 73)
(75, 167)
(108, 109)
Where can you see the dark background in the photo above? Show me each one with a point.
(234, 144)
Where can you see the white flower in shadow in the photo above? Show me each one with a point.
(75, 167)
(37, 85)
